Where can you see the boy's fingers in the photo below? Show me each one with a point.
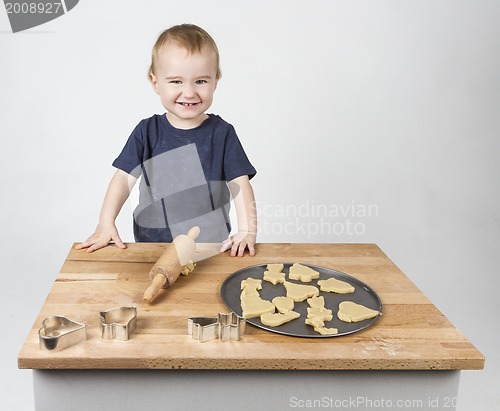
(223, 247)
(84, 244)
(96, 246)
(238, 247)
(226, 245)
(251, 250)
(118, 241)
(96, 243)
(93, 247)
(234, 249)
(241, 249)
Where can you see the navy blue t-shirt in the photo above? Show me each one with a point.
(184, 175)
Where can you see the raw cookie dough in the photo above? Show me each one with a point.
(276, 267)
(324, 315)
(251, 283)
(274, 277)
(248, 291)
(335, 286)
(316, 302)
(298, 292)
(283, 304)
(326, 331)
(273, 320)
(250, 286)
(188, 268)
(254, 306)
(317, 314)
(351, 312)
(302, 273)
(315, 322)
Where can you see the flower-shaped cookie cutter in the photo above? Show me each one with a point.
(118, 323)
(226, 327)
(59, 332)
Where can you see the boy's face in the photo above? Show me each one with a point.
(185, 83)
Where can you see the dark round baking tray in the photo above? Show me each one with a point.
(363, 294)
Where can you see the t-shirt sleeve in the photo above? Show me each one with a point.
(130, 159)
(236, 162)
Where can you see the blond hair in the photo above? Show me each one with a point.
(188, 36)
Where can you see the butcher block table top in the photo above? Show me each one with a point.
(412, 334)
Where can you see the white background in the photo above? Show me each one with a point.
(393, 104)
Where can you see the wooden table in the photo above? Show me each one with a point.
(412, 334)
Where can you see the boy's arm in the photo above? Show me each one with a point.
(246, 211)
(118, 191)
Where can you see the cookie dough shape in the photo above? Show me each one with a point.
(250, 286)
(298, 292)
(283, 304)
(317, 302)
(317, 314)
(315, 322)
(351, 312)
(335, 286)
(326, 331)
(248, 291)
(275, 267)
(274, 277)
(251, 283)
(302, 273)
(323, 315)
(254, 306)
(276, 319)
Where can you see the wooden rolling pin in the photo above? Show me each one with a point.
(169, 266)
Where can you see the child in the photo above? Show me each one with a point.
(187, 158)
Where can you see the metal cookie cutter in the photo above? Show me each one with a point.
(225, 326)
(231, 326)
(203, 328)
(118, 323)
(58, 332)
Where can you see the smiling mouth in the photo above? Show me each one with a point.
(187, 104)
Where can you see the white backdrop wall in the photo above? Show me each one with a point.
(368, 121)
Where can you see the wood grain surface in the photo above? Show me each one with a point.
(412, 334)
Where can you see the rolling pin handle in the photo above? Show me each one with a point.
(154, 289)
(194, 232)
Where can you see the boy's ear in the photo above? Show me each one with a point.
(154, 83)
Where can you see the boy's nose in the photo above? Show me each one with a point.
(188, 91)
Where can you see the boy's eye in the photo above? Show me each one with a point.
(175, 82)
(201, 81)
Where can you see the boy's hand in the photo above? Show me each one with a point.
(239, 242)
(103, 235)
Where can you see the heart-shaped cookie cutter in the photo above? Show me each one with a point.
(118, 323)
(58, 332)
